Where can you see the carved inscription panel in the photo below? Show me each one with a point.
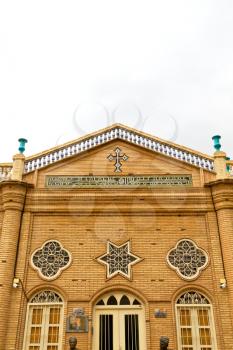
(117, 181)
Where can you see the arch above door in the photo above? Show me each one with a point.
(119, 298)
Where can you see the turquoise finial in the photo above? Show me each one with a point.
(217, 144)
(22, 145)
(228, 166)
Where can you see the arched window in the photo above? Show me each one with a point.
(44, 322)
(195, 325)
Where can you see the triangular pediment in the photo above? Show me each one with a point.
(119, 132)
(96, 154)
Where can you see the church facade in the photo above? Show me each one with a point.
(117, 238)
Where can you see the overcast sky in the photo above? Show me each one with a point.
(71, 67)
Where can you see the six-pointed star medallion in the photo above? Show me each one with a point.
(118, 259)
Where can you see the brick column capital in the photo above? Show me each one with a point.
(222, 191)
(13, 194)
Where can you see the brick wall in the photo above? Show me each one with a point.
(152, 219)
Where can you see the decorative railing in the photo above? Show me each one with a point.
(85, 144)
(5, 172)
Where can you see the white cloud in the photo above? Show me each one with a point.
(172, 59)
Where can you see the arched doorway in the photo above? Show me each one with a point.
(119, 322)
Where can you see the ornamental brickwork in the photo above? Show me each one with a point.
(123, 264)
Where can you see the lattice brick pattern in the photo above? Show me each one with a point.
(187, 259)
(46, 296)
(192, 297)
(50, 260)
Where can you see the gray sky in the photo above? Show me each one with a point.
(71, 67)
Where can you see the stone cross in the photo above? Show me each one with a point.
(118, 158)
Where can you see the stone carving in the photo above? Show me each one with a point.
(187, 259)
(164, 341)
(118, 259)
(50, 260)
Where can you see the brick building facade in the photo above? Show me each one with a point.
(117, 238)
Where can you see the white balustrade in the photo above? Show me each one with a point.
(118, 133)
(5, 173)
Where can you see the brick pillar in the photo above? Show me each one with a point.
(18, 167)
(220, 166)
(13, 197)
(222, 191)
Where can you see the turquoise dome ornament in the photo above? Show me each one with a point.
(217, 144)
(22, 143)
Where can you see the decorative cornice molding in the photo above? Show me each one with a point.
(227, 181)
(132, 202)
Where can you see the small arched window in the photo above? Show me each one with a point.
(195, 325)
(124, 300)
(112, 300)
(44, 322)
